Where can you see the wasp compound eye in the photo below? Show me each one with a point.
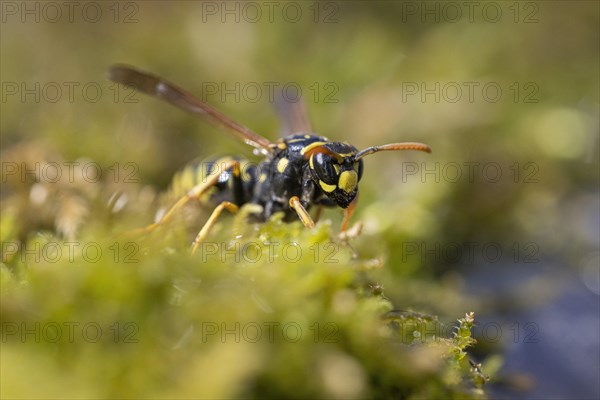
(324, 167)
(358, 167)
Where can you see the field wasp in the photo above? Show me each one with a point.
(300, 170)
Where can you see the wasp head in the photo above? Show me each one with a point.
(336, 168)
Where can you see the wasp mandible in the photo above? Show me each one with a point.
(300, 170)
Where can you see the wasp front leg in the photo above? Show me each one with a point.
(300, 204)
(348, 213)
(356, 229)
(304, 216)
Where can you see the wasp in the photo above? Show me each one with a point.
(299, 171)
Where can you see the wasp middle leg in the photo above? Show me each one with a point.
(195, 194)
(211, 222)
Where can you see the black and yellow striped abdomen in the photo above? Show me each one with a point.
(237, 191)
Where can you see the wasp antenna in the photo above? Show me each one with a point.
(391, 147)
(315, 148)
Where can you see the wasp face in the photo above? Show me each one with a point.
(335, 171)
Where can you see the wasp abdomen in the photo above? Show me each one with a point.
(229, 187)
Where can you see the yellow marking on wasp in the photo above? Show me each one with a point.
(326, 187)
(311, 146)
(337, 169)
(346, 154)
(236, 170)
(200, 173)
(235, 173)
(347, 181)
(282, 165)
(185, 180)
(245, 167)
(205, 197)
(176, 186)
(282, 145)
(310, 162)
(263, 177)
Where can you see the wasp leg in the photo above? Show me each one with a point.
(194, 194)
(348, 213)
(351, 233)
(301, 211)
(346, 234)
(211, 222)
(318, 213)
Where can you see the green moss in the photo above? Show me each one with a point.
(275, 310)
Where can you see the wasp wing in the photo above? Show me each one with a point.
(161, 88)
(292, 113)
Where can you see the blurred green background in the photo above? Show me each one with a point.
(501, 219)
